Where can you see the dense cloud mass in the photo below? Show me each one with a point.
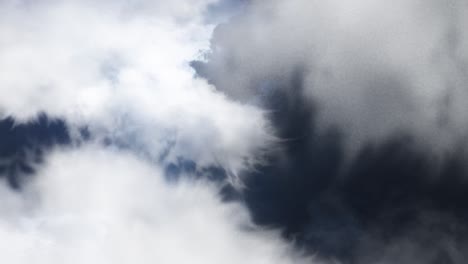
(374, 68)
(233, 131)
(368, 99)
(99, 106)
(125, 213)
(121, 68)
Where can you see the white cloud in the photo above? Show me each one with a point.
(121, 67)
(103, 206)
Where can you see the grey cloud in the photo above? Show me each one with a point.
(374, 68)
(366, 98)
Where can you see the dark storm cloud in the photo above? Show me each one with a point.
(374, 68)
(390, 193)
(401, 194)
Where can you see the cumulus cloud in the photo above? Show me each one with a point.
(116, 77)
(113, 83)
(373, 68)
(103, 206)
(121, 68)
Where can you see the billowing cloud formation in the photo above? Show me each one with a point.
(112, 79)
(374, 68)
(143, 133)
(121, 68)
(81, 210)
(384, 80)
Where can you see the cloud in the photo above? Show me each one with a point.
(122, 69)
(81, 210)
(117, 73)
(367, 98)
(373, 68)
(288, 89)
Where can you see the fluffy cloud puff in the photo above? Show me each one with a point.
(79, 209)
(121, 68)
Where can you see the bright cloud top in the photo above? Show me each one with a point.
(122, 68)
(126, 213)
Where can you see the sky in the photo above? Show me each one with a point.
(233, 131)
